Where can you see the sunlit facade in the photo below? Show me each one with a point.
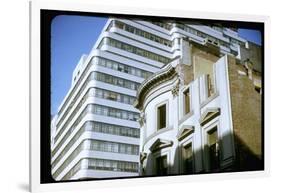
(201, 113)
(96, 132)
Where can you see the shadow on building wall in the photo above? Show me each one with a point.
(244, 159)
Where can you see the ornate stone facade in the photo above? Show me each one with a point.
(204, 137)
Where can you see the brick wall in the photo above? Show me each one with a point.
(247, 118)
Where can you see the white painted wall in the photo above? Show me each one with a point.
(177, 120)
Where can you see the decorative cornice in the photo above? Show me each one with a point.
(157, 133)
(142, 119)
(175, 89)
(160, 144)
(165, 74)
(185, 131)
(142, 157)
(208, 115)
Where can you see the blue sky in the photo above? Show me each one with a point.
(72, 36)
(250, 35)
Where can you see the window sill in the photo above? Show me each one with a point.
(209, 99)
(185, 117)
(157, 133)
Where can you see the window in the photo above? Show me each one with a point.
(100, 164)
(95, 145)
(101, 62)
(122, 148)
(98, 110)
(106, 95)
(161, 166)
(213, 149)
(131, 116)
(126, 69)
(123, 68)
(124, 115)
(142, 33)
(126, 99)
(136, 133)
(188, 158)
(138, 51)
(112, 96)
(186, 95)
(110, 129)
(120, 82)
(138, 73)
(114, 66)
(136, 117)
(105, 111)
(135, 150)
(132, 100)
(129, 150)
(119, 25)
(118, 114)
(97, 127)
(161, 117)
(109, 64)
(123, 132)
(112, 112)
(115, 147)
(210, 85)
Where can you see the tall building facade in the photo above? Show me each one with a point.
(202, 115)
(96, 132)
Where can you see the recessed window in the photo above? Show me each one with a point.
(161, 166)
(112, 96)
(213, 149)
(161, 117)
(186, 95)
(210, 85)
(188, 158)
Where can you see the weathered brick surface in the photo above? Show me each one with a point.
(247, 118)
(188, 74)
(254, 54)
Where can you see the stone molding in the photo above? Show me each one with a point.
(160, 144)
(208, 115)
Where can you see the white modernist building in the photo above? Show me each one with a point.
(96, 133)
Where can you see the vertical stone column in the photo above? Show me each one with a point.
(185, 52)
(175, 109)
(198, 148)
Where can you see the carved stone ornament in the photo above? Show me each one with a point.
(208, 115)
(160, 144)
(175, 89)
(142, 119)
(143, 156)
